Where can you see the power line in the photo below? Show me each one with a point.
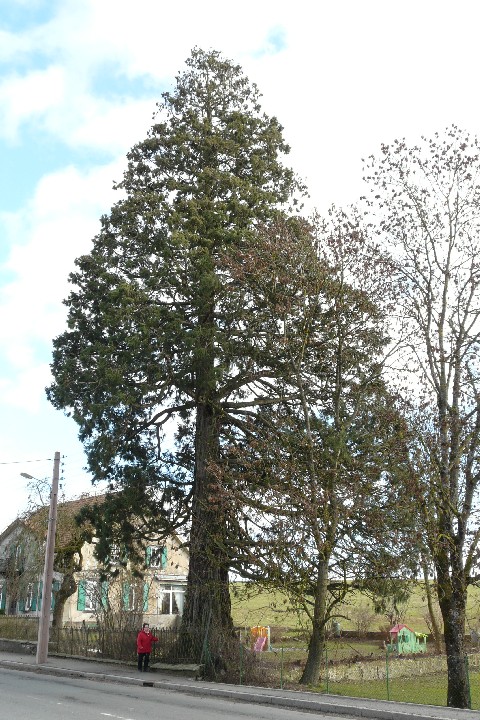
(19, 462)
(49, 459)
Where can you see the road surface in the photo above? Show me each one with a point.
(27, 696)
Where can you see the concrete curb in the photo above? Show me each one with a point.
(334, 705)
(315, 703)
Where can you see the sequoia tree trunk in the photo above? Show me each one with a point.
(206, 621)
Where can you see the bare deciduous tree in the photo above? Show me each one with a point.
(426, 199)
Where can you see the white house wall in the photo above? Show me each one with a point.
(173, 576)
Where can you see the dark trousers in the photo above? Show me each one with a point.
(143, 659)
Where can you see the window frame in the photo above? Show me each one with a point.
(166, 591)
(29, 598)
(159, 553)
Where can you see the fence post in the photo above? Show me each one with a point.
(467, 671)
(241, 661)
(387, 675)
(326, 667)
(281, 670)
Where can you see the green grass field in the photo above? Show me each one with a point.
(273, 609)
(289, 645)
(427, 690)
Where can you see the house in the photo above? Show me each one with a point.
(82, 592)
(404, 641)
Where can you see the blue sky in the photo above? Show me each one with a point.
(79, 80)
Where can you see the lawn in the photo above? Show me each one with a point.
(273, 609)
(426, 690)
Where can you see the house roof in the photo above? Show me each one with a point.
(396, 629)
(67, 529)
(10, 529)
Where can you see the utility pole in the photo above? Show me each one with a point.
(44, 624)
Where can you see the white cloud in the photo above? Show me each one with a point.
(22, 390)
(105, 126)
(34, 95)
(13, 45)
(154, 38)
(148, 44)
(46, 236)
(341, 77)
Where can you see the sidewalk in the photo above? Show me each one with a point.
(329, 704)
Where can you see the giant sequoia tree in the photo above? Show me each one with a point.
(162, 352)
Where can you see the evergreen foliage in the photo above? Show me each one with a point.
(161, 340)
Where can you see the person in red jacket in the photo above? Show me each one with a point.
(145, 640)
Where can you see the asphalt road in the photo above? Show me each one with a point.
(27, 696)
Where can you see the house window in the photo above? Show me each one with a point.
(92, 595)
(156, 556)
(129, 597)
(88, 595)
(19, 558)
(29, 598)
(170, 599)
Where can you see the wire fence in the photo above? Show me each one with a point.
(106, 643)
(420, 679)
(416, 679)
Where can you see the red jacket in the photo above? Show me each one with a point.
(145, 641)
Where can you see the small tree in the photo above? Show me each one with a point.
(390, 598)
(27, 551)
(315, 475)
(362, 617)
(23, 570)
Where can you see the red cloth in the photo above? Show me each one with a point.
(145, 641)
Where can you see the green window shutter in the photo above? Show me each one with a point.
(40, 591)
(55, 589)
(145, 597)
(104, 594)
(148, 555)
(21, 605)
(34, 604)
(3, 601)
(164, 558)
(126, 595)
(81, 595)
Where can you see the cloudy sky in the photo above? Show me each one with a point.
(79, 80)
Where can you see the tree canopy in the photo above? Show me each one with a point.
(426, 203)
(221, 350)
(162, 353)
(315, 482)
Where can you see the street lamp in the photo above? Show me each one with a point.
(44, 623)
